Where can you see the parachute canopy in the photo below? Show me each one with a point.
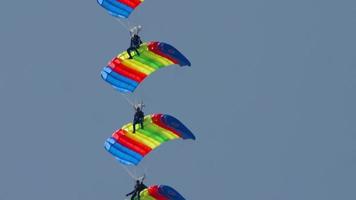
(125, 74)
(130, 148)
(120, 8)
(160, 192)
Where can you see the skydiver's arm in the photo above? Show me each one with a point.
(139, 28)
(131, 32)
(130, 193)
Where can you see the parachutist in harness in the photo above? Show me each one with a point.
(139, 117)
(135, 41)
(139, 186)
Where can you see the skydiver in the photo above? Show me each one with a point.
(139, 186)
(135, 42)
(139, 116)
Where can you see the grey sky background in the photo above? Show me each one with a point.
(270, 96)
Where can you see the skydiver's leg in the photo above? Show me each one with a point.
(138, 53)
(133, 196)
(134, 126)
(141, 124)
(129, 52)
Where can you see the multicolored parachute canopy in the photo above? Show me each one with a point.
(160, 192)
(130, 148)
(125, 74)
(120, 8)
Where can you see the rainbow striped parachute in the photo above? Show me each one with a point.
(120, 8)
(126, 74)
(130, 148)
(160, 192)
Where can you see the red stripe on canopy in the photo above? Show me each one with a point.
(157, 119)
(117, 66)
(153, 46)
(154, 192)
(120, 137)
(131, 3)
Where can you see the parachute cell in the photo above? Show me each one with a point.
(160, 192)
(130, 148)
(120, 8)
(126, 74)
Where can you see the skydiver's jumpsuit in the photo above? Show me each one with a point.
(136, 192)
(138, 118)
(134, 45)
